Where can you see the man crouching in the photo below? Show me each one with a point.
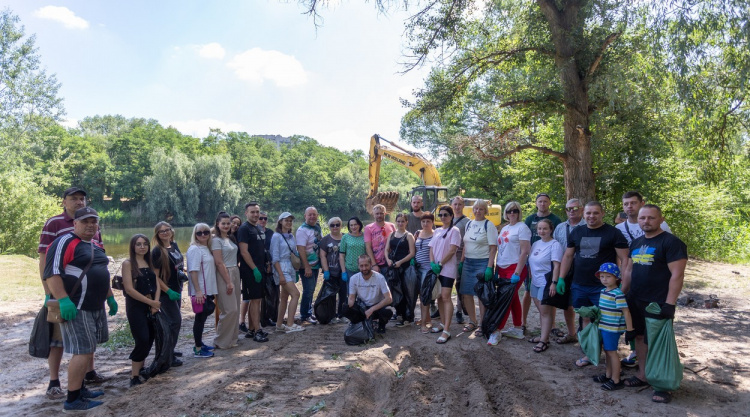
(370, 287)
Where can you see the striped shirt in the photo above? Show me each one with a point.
(423, 251)
(611, 304)
(57, 226)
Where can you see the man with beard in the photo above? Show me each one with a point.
(414, 219)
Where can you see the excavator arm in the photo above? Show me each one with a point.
(411, 160)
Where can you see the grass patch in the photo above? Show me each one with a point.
(21, 281)
(121, 337)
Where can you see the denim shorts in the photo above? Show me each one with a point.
(610, 340)
(472, 267)
(584, 295)
(537, 292)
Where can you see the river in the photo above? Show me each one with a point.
(117, 239)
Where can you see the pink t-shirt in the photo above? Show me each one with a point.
(378, 236)
(440, 246)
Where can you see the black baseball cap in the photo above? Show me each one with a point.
(85, 213)
(73, 190)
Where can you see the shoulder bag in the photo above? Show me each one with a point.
(293, 256)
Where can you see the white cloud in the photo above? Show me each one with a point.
(201, 128)
(211, 51)
(70, 123)
(257, 65)
(62, 15)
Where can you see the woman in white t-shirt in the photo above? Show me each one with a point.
(513, 246)
(544, 262)
(443, 246)
(202, 284)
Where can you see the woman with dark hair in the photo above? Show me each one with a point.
(399, 250)
(224, 249)
(444, 264)
(422, 246)
(283, 245)
(169, 275)
(352, 246)
(513, 246)
(236, 223)
(544, 263)
(141, 301)
(202, 285)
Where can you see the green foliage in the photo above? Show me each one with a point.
(170, 192)
(121, 337)
(23, 210)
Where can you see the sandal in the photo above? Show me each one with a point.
(426, 330)
(601, 378)
(634, 381)
(611, 385)
(584, 361)
(541, 347)
(662, 397)
(470, 327)
(442, 339)
(478, 332)
(567, 339)
(437, 329)
(535, 339)
(557, 332)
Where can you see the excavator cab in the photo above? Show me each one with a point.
(432, 197)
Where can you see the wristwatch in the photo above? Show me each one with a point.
(554, 282)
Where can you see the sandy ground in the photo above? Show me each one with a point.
(405, 372)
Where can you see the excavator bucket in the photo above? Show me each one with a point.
(387, 198)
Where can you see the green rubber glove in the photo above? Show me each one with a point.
(112, 305)
(412, 262)
(488, 273)
(296, 277)
(46, 298)
(68, 310)
(560, 286)
(257, 275)
(460, 268)
(173, 295)
(436, 268)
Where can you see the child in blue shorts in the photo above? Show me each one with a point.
(615, 320)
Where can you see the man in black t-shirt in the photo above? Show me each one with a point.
(76, 274)
(252, 247)
(655, 274)
(588, 248)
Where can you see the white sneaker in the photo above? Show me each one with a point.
(494, 338)
(514, 333)
(294, 328)
(335, 320)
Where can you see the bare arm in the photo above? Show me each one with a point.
(352, 299)
(523, 256)
(368, 250)
(626, 277)
(222, 269)
(622, 257)
(57, 289)
(677, 268)
(567, 261)
(628, 319)
(449, 254)
(245, 253)
(386, 301)
(388, 259)
(323, 261)
(493, 254)
(42, 263)
(127, 282)
(555, 272)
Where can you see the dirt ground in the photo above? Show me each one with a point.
(405, 372)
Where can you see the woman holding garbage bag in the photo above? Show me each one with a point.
(423, 237)
(480, 248)
(330, 262)
(399, 251)
(544, 263)
(169, 268)
(283, 247)
(141, 301)
(514, 244)
(443, 263)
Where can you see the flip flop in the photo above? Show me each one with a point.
(470, 327)
(583, 362)
(442, 339)
(665, 397)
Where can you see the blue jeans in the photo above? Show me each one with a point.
(308, 288)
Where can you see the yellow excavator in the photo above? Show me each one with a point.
(434, 195)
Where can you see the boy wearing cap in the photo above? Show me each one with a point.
(615, 319)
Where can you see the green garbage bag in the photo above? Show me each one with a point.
(590, 338)
(663, 367)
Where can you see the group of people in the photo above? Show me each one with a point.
(233, 266)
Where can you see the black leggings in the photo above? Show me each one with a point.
(141, 327)
(200, 320)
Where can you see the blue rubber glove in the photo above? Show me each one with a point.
(488, 273)
(344, 276)
(173, 295)
(560, 288)
(326, 275)
(436, 268)
(112, 305)
(68, 310)
(515, 278)
(460, 268)
(257, 275)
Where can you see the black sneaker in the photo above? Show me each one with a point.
(380, 329)
(263, 333)
(94, 378)
(435, 315)
(176, 362)
(177, 354)
(243, 328)
(135, 381)
(250, 334)
(260, 338)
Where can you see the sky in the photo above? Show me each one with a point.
(259, 66)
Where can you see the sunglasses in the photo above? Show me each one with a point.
(512, 211)
(262, 218)
(203, 233)
(164, 231)
(335, 225)
(441, 215)
(572, 208)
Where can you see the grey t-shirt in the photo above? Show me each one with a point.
(461, 225)
(228, 250)
(413, 223)
(370, 291)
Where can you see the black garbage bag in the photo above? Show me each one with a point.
(40, 335)
(485, 290)
(164, 347)
(427, 292)
(410, 288)
(270, 304)
(325, 304)
(393, 278)
(360, 332)
(561, 301)
(499, 306)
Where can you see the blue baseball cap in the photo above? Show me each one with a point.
(609, 268)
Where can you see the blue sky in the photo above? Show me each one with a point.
(256, 66)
